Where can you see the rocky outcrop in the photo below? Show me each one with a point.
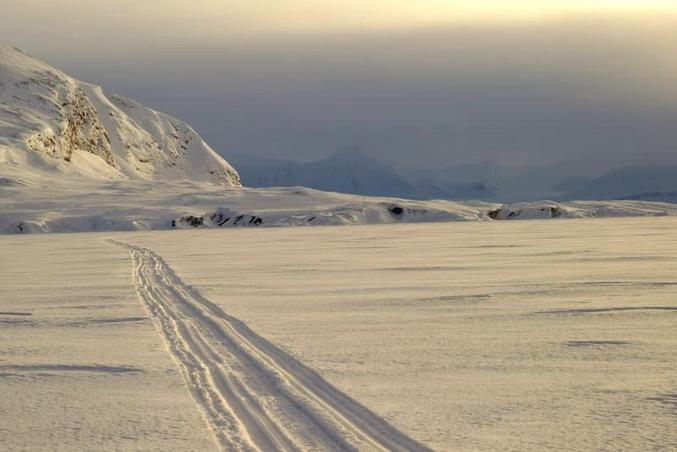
(80, 128)
(527, 211)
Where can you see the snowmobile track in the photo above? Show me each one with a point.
(253, 395)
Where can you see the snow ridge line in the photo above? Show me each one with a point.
(253, 395)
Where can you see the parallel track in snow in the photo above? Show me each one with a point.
(253, 395)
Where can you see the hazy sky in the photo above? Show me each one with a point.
(425, 83)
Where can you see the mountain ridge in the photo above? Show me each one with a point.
(354, 172)
(52, 123)
(641, 182)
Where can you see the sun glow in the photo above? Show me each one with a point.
(264, 16)
(385, 13)
(215, 20)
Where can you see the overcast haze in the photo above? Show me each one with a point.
(428, 83)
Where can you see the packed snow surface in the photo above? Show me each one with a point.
(532, 335)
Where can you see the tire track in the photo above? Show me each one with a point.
(253, 395)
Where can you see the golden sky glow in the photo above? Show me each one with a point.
(232, 17)
(314, 14)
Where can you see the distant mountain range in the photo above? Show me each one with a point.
(642, 183)
(355, 172)
(497, 182)
(346, 172)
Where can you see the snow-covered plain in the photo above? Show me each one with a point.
(34, 203)
(530, 335)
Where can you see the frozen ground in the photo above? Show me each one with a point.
(461, 336)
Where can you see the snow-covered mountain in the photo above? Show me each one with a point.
(349, 171)
(645, 183)
(492, 181)
(353, 172)
(432, 187)
(52, 124)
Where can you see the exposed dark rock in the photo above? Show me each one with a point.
(396, 210)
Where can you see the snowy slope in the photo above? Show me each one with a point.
(54, 124)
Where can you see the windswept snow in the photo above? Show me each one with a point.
(252, 394)
(458, 336)
(495, 336)
(81, 366)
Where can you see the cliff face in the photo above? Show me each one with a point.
(45, 112)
